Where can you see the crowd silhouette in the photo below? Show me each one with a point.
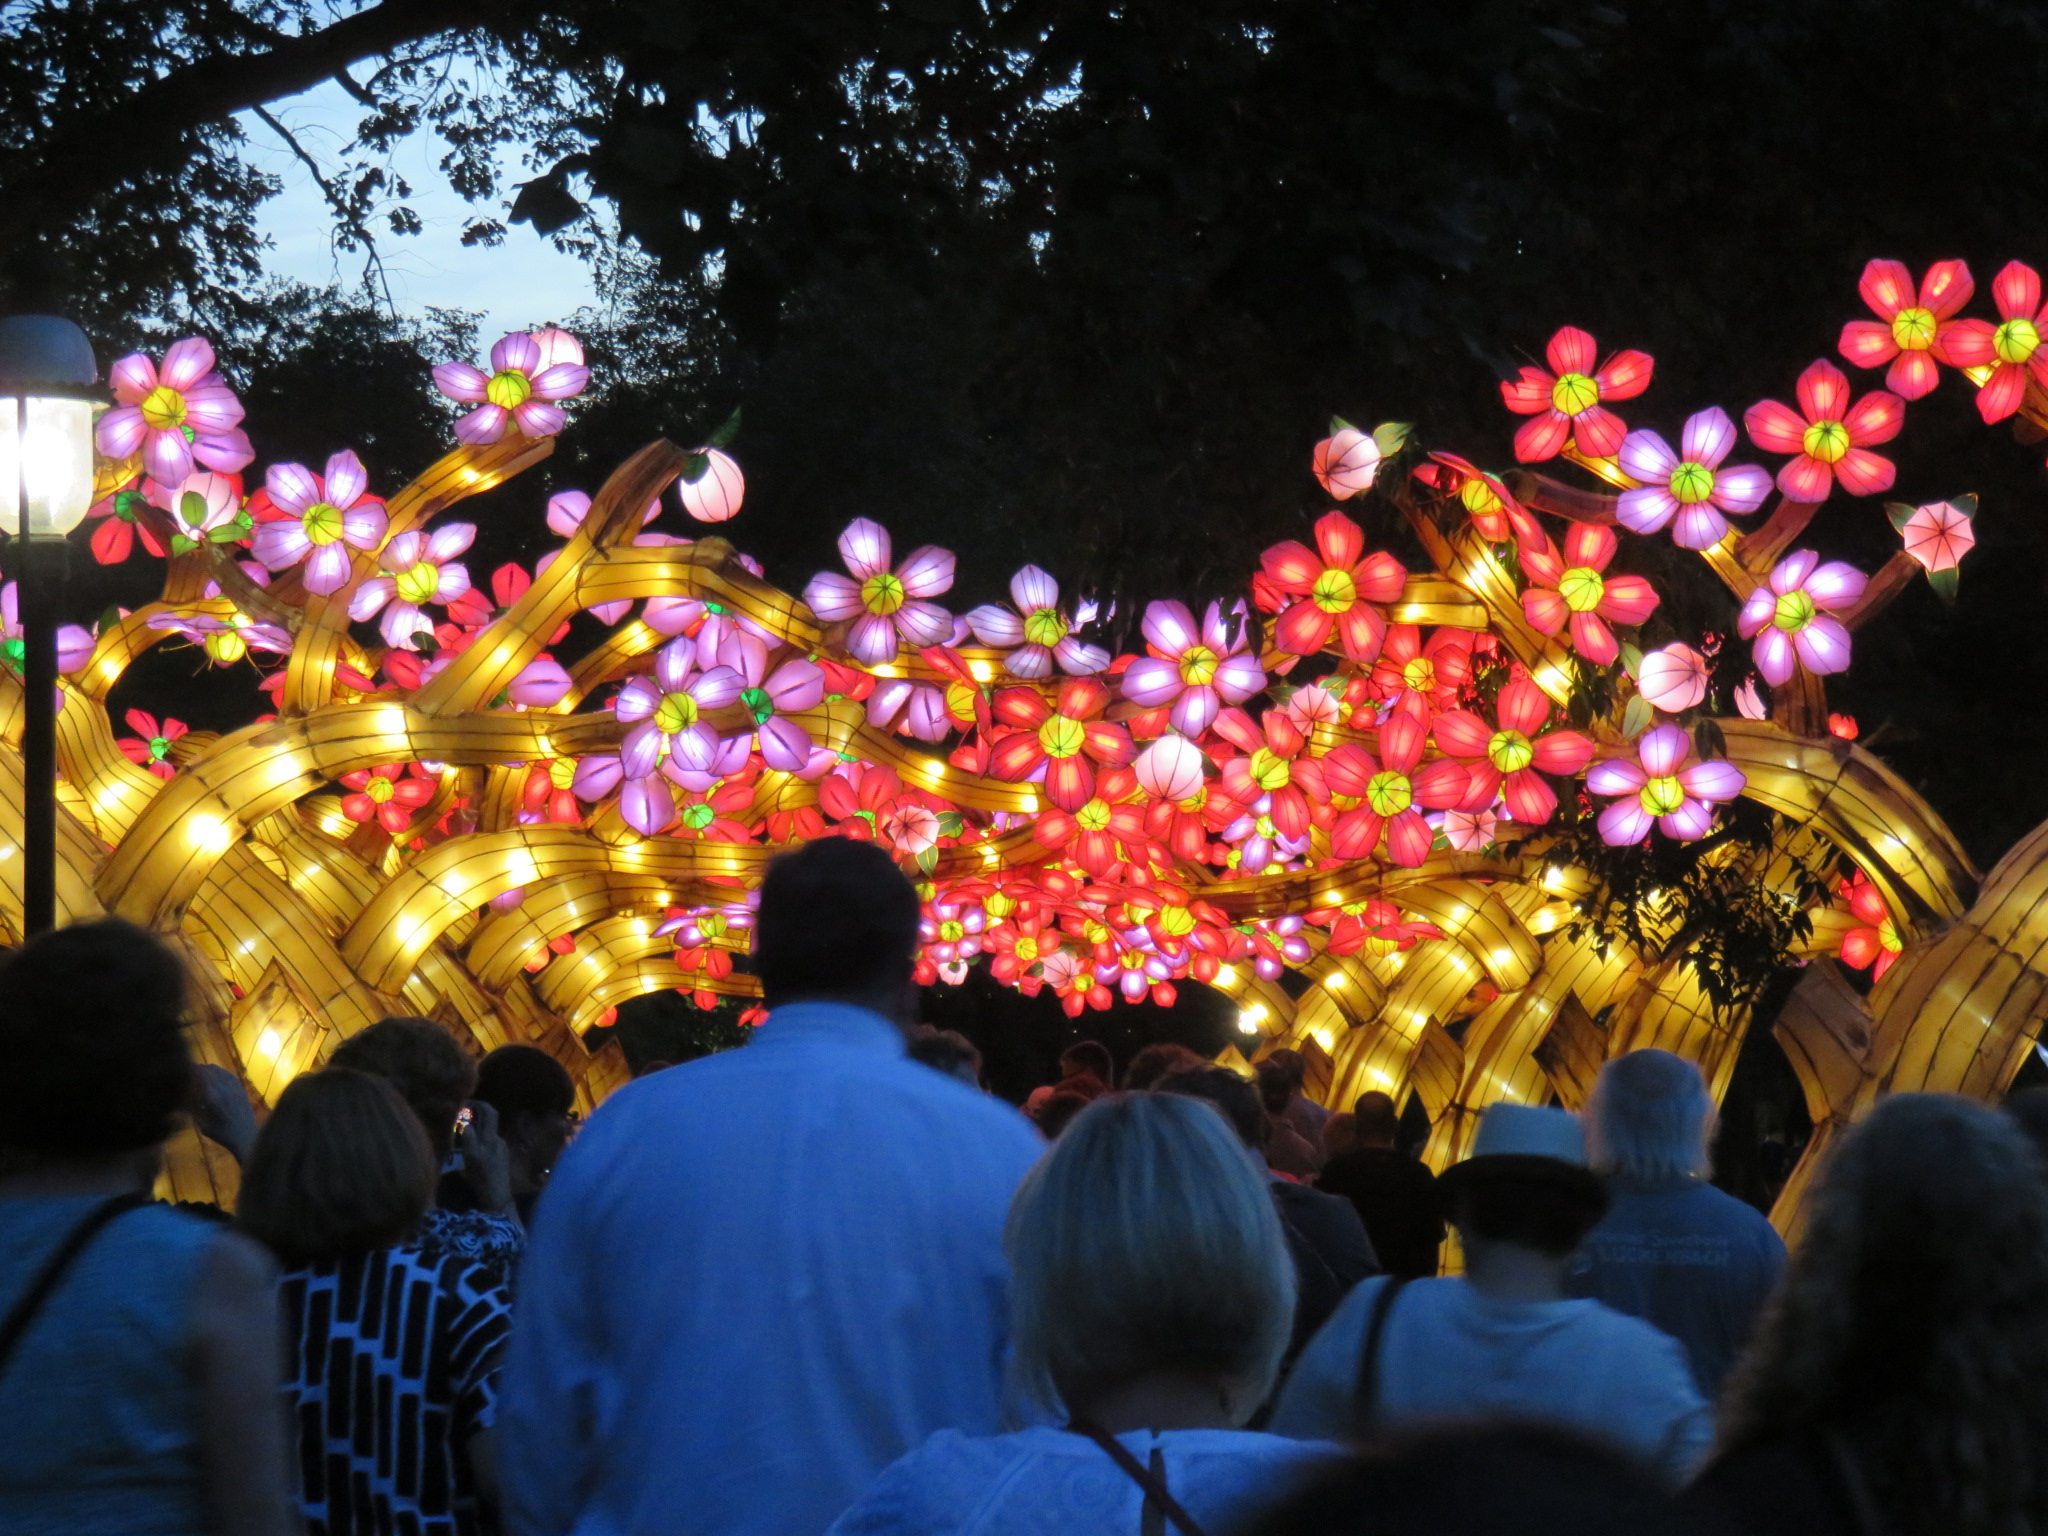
(829, 1283)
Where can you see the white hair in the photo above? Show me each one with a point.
(1649, 1119)
(1146, 1240)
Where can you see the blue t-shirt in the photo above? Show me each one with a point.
(1689, 1259)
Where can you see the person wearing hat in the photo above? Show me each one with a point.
(1503, 1341)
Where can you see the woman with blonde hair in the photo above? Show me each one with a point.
(1151, 1299)
(1900, 1381)
(395, 1352)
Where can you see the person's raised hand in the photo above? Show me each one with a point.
(486, 1160)
(221, 1111)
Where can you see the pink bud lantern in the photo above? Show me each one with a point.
(715, 494)
(1347, 462)
(1171, 769)
(1939, 534)
(1674, 679)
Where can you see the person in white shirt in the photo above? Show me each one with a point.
(759, 1278)
(1152, 1299)
(1502, 1341)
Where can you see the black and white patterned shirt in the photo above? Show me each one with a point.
(394, 1365)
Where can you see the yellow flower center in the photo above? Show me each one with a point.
(419, 583)
(676, 712)
(1826, 442)
(999, 906)
(2015, 340)
(163, 409)
(1389, 793)
(1198, 666)
(1265, 828)
(1660, 797)
(1419, 676)
(1062, 737)
(322, 523)
(1479, 498)
(952, 931)
(1026, 950)
(1176, 922)
(509, 390)
(1581, 587)
(1195, 803)
(1913, 329)
(882, 593)
(1795, 611)
(1510, 751)
(1268, 771)
(225, 646)
(380, 789)
(1093, 931)
(1888, 937)
(1334, 591)
(1573, 393)
(1691, 483)
(562, 772)
(1093, 816)
(1045, 626)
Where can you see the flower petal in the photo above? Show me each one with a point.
(864, 546)
(1032, 589)
(1645, 456)
(1775, 426)
(927, 572)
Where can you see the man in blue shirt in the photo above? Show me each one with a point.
(758, 1279)
(1672, 1249)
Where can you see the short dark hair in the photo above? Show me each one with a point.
(524, 1080)
(1374, 1115)
(92, 1044)
(1529, 1211)
(1281, 1075)
(837, 919)
(1160, 1059)
(1058, 1112)
(945, 1050)
(424, 1062)
(1238, 1100)
(1091, 1057)
(341, 1167)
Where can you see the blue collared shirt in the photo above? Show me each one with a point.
(754, 1282)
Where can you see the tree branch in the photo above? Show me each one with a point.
(335, 200)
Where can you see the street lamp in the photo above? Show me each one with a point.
(47, 378)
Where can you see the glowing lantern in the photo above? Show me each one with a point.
(1570, 400)
(1829, 436)
(1913, 330)
(1793, 617)
(1673, 679)
(1347, 462)
(717, 490)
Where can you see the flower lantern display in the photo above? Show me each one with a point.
(1568, 401)
(1690, 489)
(1794, 617)
(1346, 463)
(177, 417)
(317, 520)
(1571, 593)
(522, 393)
(2011, 349)
(1913, 328)
(1666, 787)
(884, 606)
(1038, 631)
(1336, 589)
(714, 494)
(1829, 437)
(1192, 671)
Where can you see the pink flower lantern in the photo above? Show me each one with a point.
(1392, 791)
(156, 407)
(1829, 436)
(1664, 787)
(1673, 679)
(1347, 462)
(1335, 586)
(1508, 760)
(521, 392)
(419, 568)
(885, 607)
(318, 520)
(1938, 535)
(1194, 671)
(1570, 400)
(1572, 591)
(1041, 631)
(1171, 769)
(1690, 485)
(715, 495)
(2011, 349)
(1912, 329)
(1792, 617)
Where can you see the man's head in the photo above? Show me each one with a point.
(422, 1061)
(838, 923)
(1375, 1122)
(1281, 1075)
(1238, 1099)
(1088, 1058)
(1526, 1184)
(1161, 1059)
(947, 1051)
(535, 1101)
(1649, 1118)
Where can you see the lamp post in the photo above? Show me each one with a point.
(47, 374)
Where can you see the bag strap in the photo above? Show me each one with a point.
(1368, 1397)
(1152, 1480)
(45, 1283)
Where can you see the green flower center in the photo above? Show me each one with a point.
(1026, 950)
(698, 817)
(1062, 737)
(159, 748)
(1198, 666)
(1913, 329)
(420, 583)
(1582, 587)
(1389, 793)
(1419, 675)
(1573, 393)
(883, 593)
(1691, 483)
(225, 646)
(952, 931)
(1795, 611)
(163, 409)
(1479, 498)
(322, 523)
(1888, 937)
(1510, 751)
(1334, 591)
(562, 773)
(1176, 922)
(509, 390)
(676, 712)
(758, 704)
(1268, 771)
(1661, 797)
(1826, 442)
(2015, 340)
(380, 789)
(1265, 828)
(15, 652)
(1045, 626)
(1094, 816)
(711, 925)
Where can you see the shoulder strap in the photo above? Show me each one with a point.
(1152, 1480)
(45, 1283)
(1368, 1398)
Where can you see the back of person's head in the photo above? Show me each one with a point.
(424, 1062)
(92, 1048)
(1649, 1118)
(1340, 1134)
(2028, 1110)
(1525, 1183)
(1160, 1059)
(341, 1167)
(838, 922)
(1375, 1119)
(1057, 1111)
(1089, 1058)
(1910, 1319)
(947, 1051)
(523, 1080)
(1238, 1099)
(1145, 1242)
(1491, 1480)
(1281, 1076)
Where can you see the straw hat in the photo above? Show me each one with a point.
(1523, 1142)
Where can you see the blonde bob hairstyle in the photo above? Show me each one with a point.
(1145, 1241)
(342, 1167)
(1649, 1119)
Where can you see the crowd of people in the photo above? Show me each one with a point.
(827, 1283)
